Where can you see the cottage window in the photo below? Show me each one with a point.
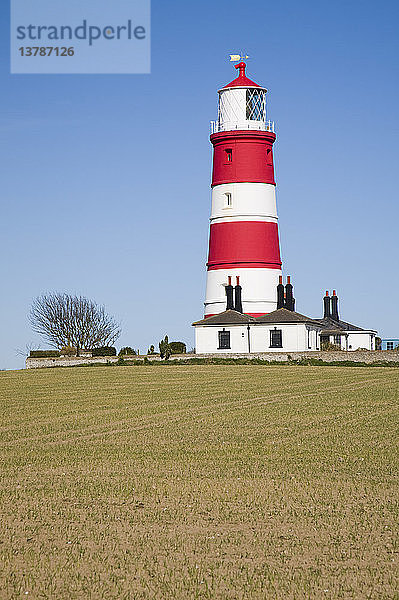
(389, 345)
(224, 340)
(276, 338)
(337, 340)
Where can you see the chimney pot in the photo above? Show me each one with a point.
(229, 296)
(229, 279)
(238, 299)
(289, 298)
(334, 306)
(280, 293)
(327, 305)
(238, 280)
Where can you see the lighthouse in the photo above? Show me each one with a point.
(247, 307)
(244, 251)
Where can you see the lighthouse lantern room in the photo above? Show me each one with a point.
(243, 241)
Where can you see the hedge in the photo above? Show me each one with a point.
(127, 351)
(177, 347)
(104, 351)
(44, 354)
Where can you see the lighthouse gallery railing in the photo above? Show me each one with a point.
(263, 126)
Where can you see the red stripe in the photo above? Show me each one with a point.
(243, 156)
(244, 244)
(245, 265)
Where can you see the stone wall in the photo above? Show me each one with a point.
(67, 361)
(360, 356)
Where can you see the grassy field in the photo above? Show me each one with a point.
(181, 482)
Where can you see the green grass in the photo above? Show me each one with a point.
(208, 481)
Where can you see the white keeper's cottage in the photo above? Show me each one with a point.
(282, 330)
(279, 331)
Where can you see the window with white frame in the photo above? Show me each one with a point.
(256, 105)
(389, 345)
(228, 200)
(224, 340)
(337, 340)
(276, 338)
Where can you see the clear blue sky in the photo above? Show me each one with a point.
(105, 178)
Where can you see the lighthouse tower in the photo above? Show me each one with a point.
(243, 241)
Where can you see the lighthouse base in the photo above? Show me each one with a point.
(259, 287)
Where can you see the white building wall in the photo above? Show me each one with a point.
(359, 339)
(355, 340)
(294, 338)
(207, 339)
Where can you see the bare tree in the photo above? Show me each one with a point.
(66, 320)
(28, 348)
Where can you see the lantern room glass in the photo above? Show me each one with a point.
(255, 105)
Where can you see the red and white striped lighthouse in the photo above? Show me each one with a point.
(243, 240)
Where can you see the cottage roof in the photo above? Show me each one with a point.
(228, 317)
(232, 317)
(330, 324)
(283, 315)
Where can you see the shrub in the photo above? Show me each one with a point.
(44, 354)
(164, 348)
(68, 351)
(151, 350)
(104, 351)
(177, 347)
(127, 351)
(329, 347)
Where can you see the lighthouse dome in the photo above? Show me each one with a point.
(242, 105)
(242, 80)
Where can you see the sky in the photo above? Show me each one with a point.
(106, 178)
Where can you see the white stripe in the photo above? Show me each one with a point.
(252, 200)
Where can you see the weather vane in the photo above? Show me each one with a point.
(238, 57)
